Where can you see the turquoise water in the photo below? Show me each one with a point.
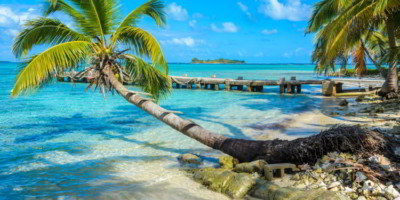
(64, 143)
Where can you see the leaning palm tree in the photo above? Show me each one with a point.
(102, 40)
(342, 23)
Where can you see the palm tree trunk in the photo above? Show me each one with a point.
(299, 151)
(390, 84)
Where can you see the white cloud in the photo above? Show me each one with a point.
(9, 18)
(269, 32)
(177, 12)
(186, 41)
(244, 8)
(198, 15)
(292, 10)
(226, 27)
(192, 23)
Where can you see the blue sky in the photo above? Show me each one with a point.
(257, 31)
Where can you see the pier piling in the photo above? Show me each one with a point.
(282, 85)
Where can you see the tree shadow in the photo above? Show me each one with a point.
(200, 113)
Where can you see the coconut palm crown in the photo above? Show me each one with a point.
(102, 39)
(358, 26)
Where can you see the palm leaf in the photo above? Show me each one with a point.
(359, 59)
(101, 16)
(147, 76)
(44, 31)
(59, 57)
(324, 11)
(53, 6)
(347, 27)
(143, 43)
(153, 9)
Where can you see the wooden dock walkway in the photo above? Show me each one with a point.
(329, 87)
(291, 86)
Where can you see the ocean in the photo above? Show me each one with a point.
(64, 143)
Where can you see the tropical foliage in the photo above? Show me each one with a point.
(101, 39)
(361, 28)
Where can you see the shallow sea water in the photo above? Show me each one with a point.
(64, 143)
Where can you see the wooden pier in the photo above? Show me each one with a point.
(291, 86)
(329, 87)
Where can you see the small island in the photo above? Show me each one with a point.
(217, 61)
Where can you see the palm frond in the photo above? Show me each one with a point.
(147, 76)
(347, 27)
(39, 68)
(359, 59)
(42, 31)
(101, 16)
(53, 6)
(152, 8)
(143, 43)
(324, 11)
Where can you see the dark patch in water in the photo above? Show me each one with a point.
(282, 126)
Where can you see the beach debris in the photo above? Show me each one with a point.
(361, 198)
(190, 159)
(334, 185)
(227, 162)
(344, 102)
(392, 192)
(360, 177)
(268, 190)
(279, 169)
(375, 159)
(335, 176)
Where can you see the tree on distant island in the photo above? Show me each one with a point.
(217, 61)
(97, 43)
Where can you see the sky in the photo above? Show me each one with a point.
(256, 31)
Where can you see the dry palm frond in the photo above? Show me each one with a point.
(359, 59)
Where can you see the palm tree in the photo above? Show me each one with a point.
(98, 41)
(343, 23)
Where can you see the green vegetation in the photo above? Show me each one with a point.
(365, 29)
(107, 43)
(353, 72)
(217, 61)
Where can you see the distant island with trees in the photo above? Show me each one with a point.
(217, 61)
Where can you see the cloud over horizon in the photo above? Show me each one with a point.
(228, 27)
(292, 10)
(186, 41)
(177, 12)
(269, 32)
